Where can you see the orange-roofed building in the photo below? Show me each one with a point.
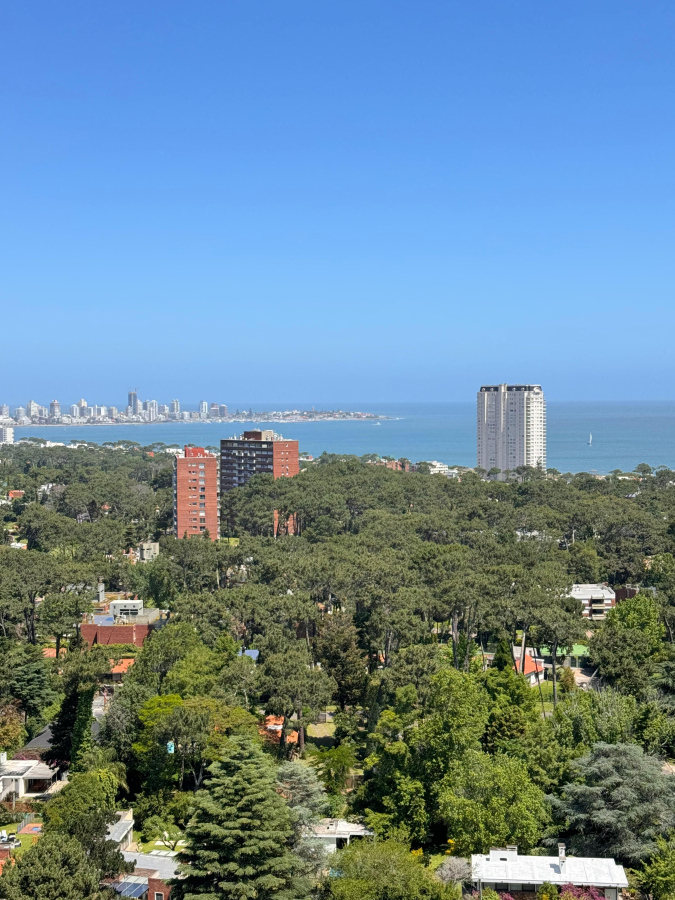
(272, 730)
(120, 669)
(533, 670)
(15, 495)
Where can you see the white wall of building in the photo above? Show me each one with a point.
(511, 426)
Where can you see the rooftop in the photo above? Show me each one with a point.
(507, 867)
(592, 591)
(340, 828)
(165, 865)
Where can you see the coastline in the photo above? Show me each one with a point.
(192, 422)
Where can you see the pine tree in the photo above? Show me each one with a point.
(238, 840)
(56, 868)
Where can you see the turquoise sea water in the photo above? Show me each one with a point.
(624, 434)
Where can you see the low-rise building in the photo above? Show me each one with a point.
(338, 833)
(147, 551)
(105, 630)
(533, 668)
(151, 872)
(122, 829)
(596, 599)
(25, 778)
(505, 870)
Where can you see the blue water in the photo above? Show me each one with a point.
(624, 434)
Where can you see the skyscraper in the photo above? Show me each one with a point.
(55, 409)
(203, 408)
(174, 407)
(133, 402)
(511, 420)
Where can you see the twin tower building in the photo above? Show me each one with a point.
(511, 426)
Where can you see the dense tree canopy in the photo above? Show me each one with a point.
(369, 666)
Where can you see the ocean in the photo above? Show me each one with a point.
(624, 434)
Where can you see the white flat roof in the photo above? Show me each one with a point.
(339, 828)
(507, 867)
(592, 591)
(26, 768)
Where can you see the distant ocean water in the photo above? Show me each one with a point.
(624, 434)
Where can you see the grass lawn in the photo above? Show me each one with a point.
(148, 846)
(27, 840)
(321, 730)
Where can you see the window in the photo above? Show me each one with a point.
(159, 895)
(202, 505)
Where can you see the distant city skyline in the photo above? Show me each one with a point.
(139, 411)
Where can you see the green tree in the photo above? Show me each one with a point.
(307, 802)
(657, 877)
(294, 688)
(81, 740)
(81, 673)
(489, 801)
(333, 765)
(158, 829)
(340, 656)
(24, 678)
(620, 803)
(237, 840)
(384, 870)
(60, 614)
(165, 647)
(195, 675)
(623, 657)
(12, 732)
(56, 868)
(83, 810)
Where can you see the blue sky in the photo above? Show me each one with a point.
(322, 201)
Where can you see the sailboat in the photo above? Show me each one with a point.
(590, 439)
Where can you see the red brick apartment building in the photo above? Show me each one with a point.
(195, 494)
(254, 453)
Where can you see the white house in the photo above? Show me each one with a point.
(505, 870)
(24, 777)
(338, 833)
(596, 599)
(122, 829)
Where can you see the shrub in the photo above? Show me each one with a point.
(547, 891)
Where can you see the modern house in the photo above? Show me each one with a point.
(122, 830)
(506, 870)
(338, 833)
(596, 599)
(25, 778)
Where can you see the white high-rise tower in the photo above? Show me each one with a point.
(511, 426)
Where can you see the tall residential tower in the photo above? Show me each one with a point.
(195, 494)
(511, 421)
